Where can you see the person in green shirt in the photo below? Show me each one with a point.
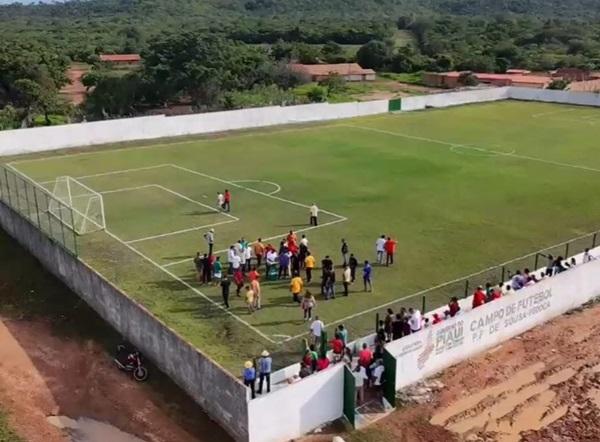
(217, 271)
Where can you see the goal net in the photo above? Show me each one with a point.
(85, 205)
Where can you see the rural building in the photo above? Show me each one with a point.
(572, 74)
(348, 71)
(121, 59)
(451, 79)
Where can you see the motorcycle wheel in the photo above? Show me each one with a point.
(140, 374)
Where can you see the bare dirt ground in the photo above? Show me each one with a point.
(56, 360)
(43, 375)
(541, 386)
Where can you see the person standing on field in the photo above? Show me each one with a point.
(250, 299)
(314, 215)
(264, 367)
(225, 284)
(380, 249)
(347, 279)
(353, 264)
(367, 270)
(220, 201)
(206, 269)
(209, 237)
(259, 251)
(296, 286)
(199, 265)
(227, 201)
(309, 265)
(217, 270)
(345, 249)
(390, 249)
(308, 303)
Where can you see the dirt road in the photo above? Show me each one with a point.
(541, 386)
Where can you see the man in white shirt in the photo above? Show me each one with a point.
(314, 213)
(587, 256)
(377, 373)
(380, 249)
(316, 329)
(230, 255)
(360, 376)
(347, 279)
(209, 237)
(414, 320)
(220, 201)
(304, 241)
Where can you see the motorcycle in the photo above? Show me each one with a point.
(129, 359)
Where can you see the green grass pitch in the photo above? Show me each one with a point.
(461, 189)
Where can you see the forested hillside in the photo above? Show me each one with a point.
(243, 47)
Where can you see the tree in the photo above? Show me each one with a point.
(9, 118)
(333, 52)
(305, 53)
(374, 55)
(317, 94)
(334, 84)
(558, 85)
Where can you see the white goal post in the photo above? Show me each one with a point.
(85, 204)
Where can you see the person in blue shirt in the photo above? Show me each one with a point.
(249, 375)
(264, 368)
(367, 270)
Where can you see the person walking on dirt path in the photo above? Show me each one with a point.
(345, 249)
(390, 250)
(209, 237)
(353, 264)
(225, 285)
(314, 215)
(308, 303)
(346, 279)
(265, 364)
(227, 201)
(380, 249)
(367, 277)
(249, 375)
(309, 265)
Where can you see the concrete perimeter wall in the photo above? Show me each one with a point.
(454, 340)
(40, 139)
(454, 98)
(550, 96)
(299, 408)
(221, 395)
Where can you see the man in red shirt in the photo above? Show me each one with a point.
(478, 297)
(227, 198)
(253, 275)
(390, 249)
(453, 307)
(337, 346)
(365, 356)
(322, 363)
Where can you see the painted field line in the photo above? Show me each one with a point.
(117, 172)
(177, 232)
(189, 286)
(280, 236)
(213, 209)
(202, 138)
(544, 114)
(125, 189)
(480, 149)
(277, 186)
(443, 284)
(249, 189)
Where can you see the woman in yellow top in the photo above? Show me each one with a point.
(296, 286)
(309, 264)
(250, 299)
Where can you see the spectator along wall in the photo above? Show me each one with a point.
(40, 139)
(221, 395)
(437, 347)
(292, 411)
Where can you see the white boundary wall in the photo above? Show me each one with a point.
(550, 96)
(301, 407)
(454, 98)
(454, 340)
(13, 142)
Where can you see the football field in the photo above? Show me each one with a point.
(461, 189)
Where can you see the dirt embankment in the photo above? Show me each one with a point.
(541, 386)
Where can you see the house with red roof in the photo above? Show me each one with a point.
(121, 59)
